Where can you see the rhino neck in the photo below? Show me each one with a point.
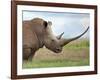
(39, 38)
(38, 30)
(40, 41)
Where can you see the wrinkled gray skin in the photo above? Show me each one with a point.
(37, 33)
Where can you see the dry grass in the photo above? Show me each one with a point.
(73, 54)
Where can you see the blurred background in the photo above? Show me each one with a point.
(72, 24)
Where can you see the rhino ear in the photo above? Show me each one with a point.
(45, 24)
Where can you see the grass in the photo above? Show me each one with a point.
(54, 63)
(73, 54)
(78, 45)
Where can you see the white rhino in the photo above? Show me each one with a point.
(38, 33)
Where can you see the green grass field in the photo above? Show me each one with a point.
(73, 54)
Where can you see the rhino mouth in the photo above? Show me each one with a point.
(58, 50)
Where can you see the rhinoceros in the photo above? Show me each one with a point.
(38, 33)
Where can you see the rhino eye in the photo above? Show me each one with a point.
(53, 40)
(45, 24)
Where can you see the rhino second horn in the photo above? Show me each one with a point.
(59, 36)
(63, 42)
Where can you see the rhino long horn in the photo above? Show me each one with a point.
(59, 36)
(66, 41)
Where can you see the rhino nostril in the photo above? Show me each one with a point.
(58, 49)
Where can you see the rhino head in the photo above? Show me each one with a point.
(56, 43)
